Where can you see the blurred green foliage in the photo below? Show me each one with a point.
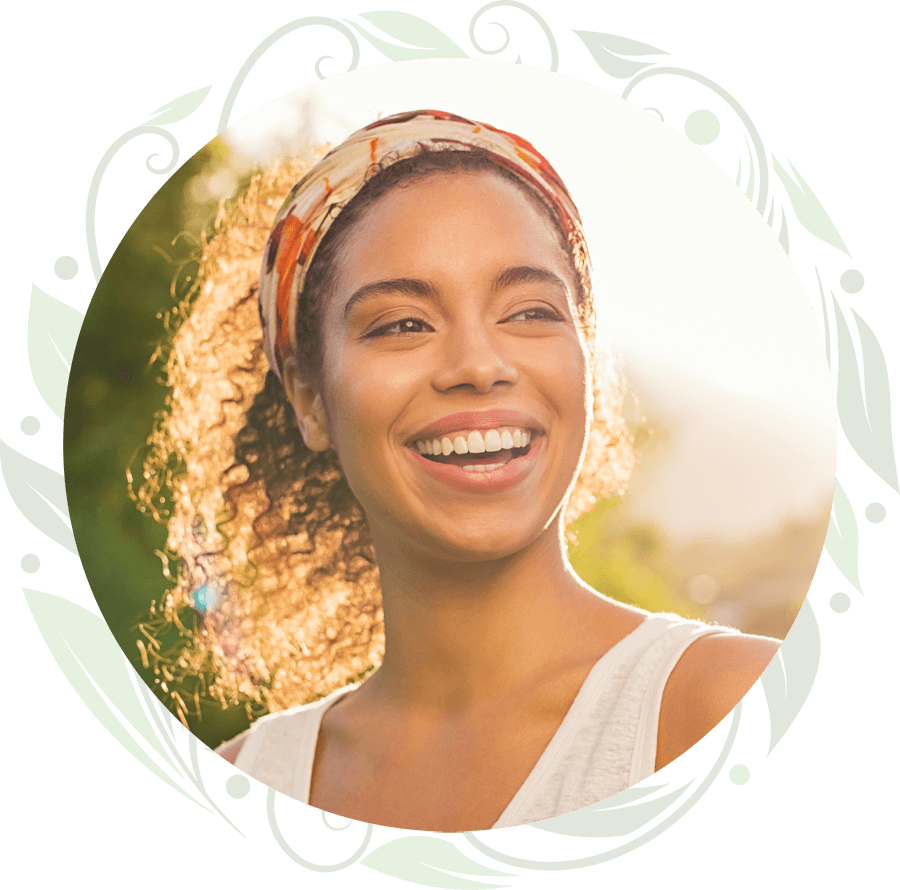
(633, 564)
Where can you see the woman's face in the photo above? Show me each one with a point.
(453, 327)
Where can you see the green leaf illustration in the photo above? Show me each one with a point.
(866, 423)
(825, 323)
(606, 821)
(789, 677)
(429, 861)
(603, 49)
(52, 334)
(180, 108)
(426, 41)
(93, 663)
(33, 488)
(842, 538)
(783, 234)
(807, 207)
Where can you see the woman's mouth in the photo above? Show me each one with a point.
(477, 451)
(480, 460)
(480, 463)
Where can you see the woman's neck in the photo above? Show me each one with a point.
(459, 633)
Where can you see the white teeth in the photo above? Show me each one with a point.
(475, 442)
(482, 468)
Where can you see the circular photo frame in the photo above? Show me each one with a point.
(854, 353)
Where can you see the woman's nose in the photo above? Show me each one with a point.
(474, 359)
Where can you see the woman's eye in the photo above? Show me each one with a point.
(536, 313)
(398, 328)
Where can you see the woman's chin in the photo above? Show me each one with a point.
(482, 543)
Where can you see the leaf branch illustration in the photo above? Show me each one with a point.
(807, 208)
(609, 52)
(92, 662)
(165, 724)
(430, 861)
(412, 37)
(282, 842)
(866, 421)
(512, 4)
(788, 679)
(36, 490)
(52, 334)
(614, 817)
(271, 40)
(170, 113)
(422, 39)
(643, 75)
(842, 538)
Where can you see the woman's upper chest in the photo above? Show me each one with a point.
(463, 783)
(458, 771)
(452, 773)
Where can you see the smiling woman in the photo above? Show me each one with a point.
(397, 489)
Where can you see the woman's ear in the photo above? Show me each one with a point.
(308, 407)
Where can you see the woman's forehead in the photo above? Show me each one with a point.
(449, 220)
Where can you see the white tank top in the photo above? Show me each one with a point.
(605, 743)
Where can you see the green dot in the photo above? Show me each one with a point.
(840, 602)
(852, 281)
(30, 563)
(875, 512)
(66, 267)
(701, 127)
(739, 774)
(238, 786)
(30, 425)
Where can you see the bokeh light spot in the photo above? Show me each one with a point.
(875, 512)
(739, 774)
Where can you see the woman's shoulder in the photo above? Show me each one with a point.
(309, 711)
(711, 676)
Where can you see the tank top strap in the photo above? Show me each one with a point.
(279, 748)
(607, 740)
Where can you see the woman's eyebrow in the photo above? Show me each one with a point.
(411, 287)
(528, 275)
(416, 287)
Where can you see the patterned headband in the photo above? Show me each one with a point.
(314, 203)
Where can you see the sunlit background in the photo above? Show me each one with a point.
(731, 400)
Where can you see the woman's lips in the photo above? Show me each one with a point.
(477, 420)
(489, 479)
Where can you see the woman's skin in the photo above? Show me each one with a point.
(455, 295)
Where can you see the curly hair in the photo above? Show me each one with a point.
(275, 592)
